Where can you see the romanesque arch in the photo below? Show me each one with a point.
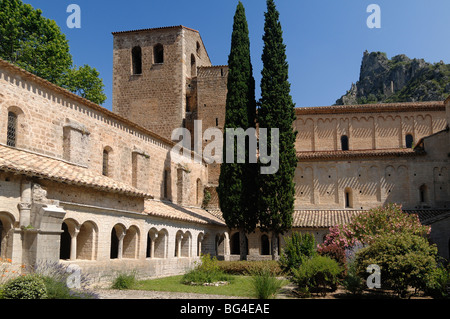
(131, 243)
(161, 243)
(69, 229)
(117, 234)
(87, 241)
(186, 245)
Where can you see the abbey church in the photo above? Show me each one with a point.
(101, 189)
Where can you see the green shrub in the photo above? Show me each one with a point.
(405, 260)
(265, 284)
(247, 267)
(25, 287)
(318, 274)
(124, 281)
(298, 248)
(208, 271)
(438, 282)
(352, 282)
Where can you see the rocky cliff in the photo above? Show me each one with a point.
(399, 79)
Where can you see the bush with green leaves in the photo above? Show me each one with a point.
(298, 248)
(248, 267)
(438, 283)
(317, 274)
(25, 287)
(265, 284)
(406, 260)
(125, 280)
(207, 271)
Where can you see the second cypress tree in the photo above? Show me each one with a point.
(276, 200)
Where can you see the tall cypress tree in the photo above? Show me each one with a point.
(276, 201)
(237, 186)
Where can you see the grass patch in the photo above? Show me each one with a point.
(240, 286)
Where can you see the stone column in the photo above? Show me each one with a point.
(179, 246)
(73, 243)
(25, 214)
(25, 204)
(120, 248)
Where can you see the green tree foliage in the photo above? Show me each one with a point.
(406, 260)
(237, 182)
(85, 82)
(297, 249)
(36, 44)
(276, 110)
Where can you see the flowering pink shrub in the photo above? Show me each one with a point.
(368, 226)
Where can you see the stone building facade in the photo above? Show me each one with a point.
(104, 190)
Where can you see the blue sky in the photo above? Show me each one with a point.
(325, 39)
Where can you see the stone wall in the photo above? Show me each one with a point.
(366, 184)
(321, 129)
(56, 123)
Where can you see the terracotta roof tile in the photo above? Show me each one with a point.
(169, 210)
(369, 108)
(159, 28)
(322, 218)
(35, 165)
(403, 152)
(429, 216)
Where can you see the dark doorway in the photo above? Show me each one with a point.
(114, 245)
(265, 245)
(64, 248)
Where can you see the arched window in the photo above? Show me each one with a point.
(409, 139)
(193, 66)
(198, 48)
(423, 193)
(11, 136)
(158, 53)
(105, 169)
(348, 198)
(344, 143)
(265, 245)
(86, 242)
(136, 54)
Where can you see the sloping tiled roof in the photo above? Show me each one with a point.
(371, 108)
(312, 218)
(395, 152)
(169, 210)
(429, 216)
(158, 28)
(322, 218)
(35, 165)
(316, 218)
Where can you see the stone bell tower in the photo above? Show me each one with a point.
(154, 76)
